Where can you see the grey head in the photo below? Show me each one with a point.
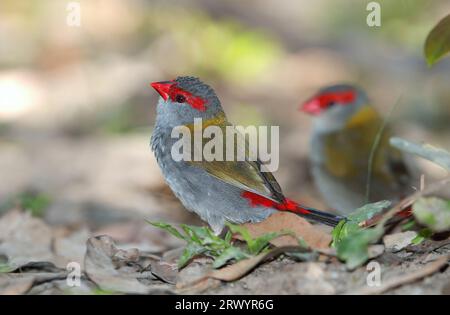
(332, 106)
(184, 99)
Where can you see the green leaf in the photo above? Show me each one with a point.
(36, 203)
(5, 268)
(301, 242)
(98, 291)
(240, 229)
(337, 232)
(433, 212)
(342, 230)
(167, 227)
(255, 246)
(408, 225)
(199, 232)
(353, 249)
(206, 237)
(368, 211)
(351, 241)
(437, 44)
(231, 253)
(423, 235)
(351, 225)
(201, 240)
(263, 241)
(228, 237)
(191, 250)
(194, 233)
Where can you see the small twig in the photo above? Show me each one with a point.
(408, 201)
(410, 277)
(375, 145)
(239, 269)
(404, 203)
(422, 182)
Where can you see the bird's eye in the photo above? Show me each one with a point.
(180, 98)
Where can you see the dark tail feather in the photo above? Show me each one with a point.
(319, 216)
(311, 213)
(292, 206)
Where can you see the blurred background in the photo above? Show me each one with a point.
(76, 109)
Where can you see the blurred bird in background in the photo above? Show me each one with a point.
(218, 191)
(345, 127)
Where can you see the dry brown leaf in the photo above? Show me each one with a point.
(285, 221)
(375, 251)
(193, 274)
(397, 241)
(139, 233)
(24, 238)
(15, 285)
(232, 272)
(71, 248)
(239, 269)
(114, 269)
(243, 267)
(165, 271)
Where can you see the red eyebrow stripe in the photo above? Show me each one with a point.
(196, 102)
(343, 97)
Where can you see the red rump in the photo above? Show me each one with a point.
(288, 204)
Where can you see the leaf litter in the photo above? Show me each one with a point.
(34, 260)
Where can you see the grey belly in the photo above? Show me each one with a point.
(212, 199)
(346, 196)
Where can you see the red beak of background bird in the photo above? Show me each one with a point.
(162, 88)
(311, 106)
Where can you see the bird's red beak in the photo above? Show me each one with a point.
(162, 88)
(311, 106)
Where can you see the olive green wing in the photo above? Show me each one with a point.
(347, 152)
(248, 174)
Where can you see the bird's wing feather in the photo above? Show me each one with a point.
(245, 174)
(347, 151)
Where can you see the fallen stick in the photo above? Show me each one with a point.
(410, 277)
(382, 219)
(240, 269)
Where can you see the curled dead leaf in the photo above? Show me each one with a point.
(117, 270)
(24, 238)
(314, 237)
(397, 241)
(15, 284)
(235, 271)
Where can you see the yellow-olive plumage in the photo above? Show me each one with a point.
(345, 129)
